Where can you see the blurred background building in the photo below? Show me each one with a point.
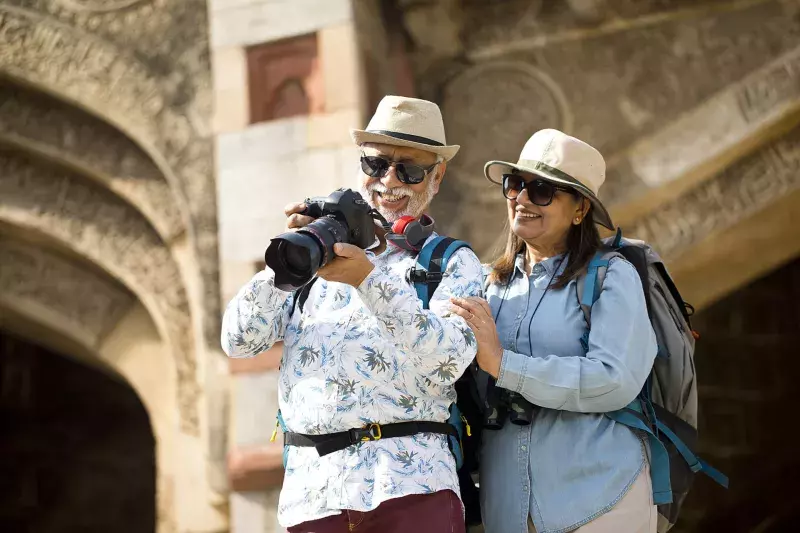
(147, 148)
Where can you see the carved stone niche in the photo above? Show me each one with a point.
(487, 110)
(284, 79)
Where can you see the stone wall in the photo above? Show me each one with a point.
(747, 368)
(108, 212)
(611, 72)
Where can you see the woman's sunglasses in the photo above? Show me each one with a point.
(377, 167)
(540, 192)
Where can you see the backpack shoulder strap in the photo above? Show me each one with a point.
(590, 283)
(426, 275)
(633, 417)
(431, 265)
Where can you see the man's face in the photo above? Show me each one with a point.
(393, 198)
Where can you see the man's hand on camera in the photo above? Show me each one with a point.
(294, 220)
(351, 266)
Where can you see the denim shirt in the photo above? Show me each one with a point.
(572, 463)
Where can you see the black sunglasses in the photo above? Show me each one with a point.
(540, 192)
(377, 167)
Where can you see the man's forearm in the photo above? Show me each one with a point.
(442, 343)
(256, 318)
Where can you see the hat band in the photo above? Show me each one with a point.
(556, 173)
(407, 137)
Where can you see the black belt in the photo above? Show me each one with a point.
(333, 442)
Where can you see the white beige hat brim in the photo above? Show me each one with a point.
(494, 171)
(400, 139)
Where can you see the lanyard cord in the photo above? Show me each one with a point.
(503, 299)
(530, 322)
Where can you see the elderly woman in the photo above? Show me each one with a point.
(554, 462)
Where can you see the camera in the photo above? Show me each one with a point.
(342, 217)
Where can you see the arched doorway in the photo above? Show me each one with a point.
(108, 219)
(78, 450)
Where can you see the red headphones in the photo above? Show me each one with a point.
(409, 233)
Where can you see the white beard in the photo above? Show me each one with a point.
(417, 202)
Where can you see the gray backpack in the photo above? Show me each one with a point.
(666, 408)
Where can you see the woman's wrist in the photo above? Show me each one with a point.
(494, 363)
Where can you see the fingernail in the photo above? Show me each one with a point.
(337, 247)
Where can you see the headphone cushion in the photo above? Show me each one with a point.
(400, 225)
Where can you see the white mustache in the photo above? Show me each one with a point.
(396, 191)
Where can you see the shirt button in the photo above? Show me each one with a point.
(523, 448)
(329, 408)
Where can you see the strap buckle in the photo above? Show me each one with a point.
(368, 433)
(416, 275)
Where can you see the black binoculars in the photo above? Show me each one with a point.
(502, 405)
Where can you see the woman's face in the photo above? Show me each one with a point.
(545, 226)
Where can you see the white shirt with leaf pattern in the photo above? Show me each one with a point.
(354, 356)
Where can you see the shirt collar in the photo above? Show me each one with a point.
(550, 264)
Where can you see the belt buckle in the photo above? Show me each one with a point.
(368, 433)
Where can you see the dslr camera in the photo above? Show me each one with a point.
(342, 217)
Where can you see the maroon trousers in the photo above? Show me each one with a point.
(439, 512)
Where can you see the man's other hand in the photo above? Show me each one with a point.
(351, 265)
(294, 219)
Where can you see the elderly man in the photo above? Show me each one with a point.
(364, 356)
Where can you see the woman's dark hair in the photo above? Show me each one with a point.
(583, 241)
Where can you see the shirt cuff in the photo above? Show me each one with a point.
(363, 289)
(513, 367)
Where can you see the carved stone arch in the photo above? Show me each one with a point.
(75, 139)
(52, 288)
(95, 75)
(78, 215)
(91, 74)
(732, 228)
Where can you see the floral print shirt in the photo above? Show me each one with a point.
(355, 356)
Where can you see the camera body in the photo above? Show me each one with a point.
(341, 217)
(347, 208)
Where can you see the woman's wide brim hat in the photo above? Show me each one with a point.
(401, 121)
(555, 156)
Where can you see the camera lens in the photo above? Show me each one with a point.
(296, 256)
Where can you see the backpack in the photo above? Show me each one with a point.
(666, 408)
(466, 414)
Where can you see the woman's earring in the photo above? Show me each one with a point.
(577, 221)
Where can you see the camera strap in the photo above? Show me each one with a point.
(301, 295)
